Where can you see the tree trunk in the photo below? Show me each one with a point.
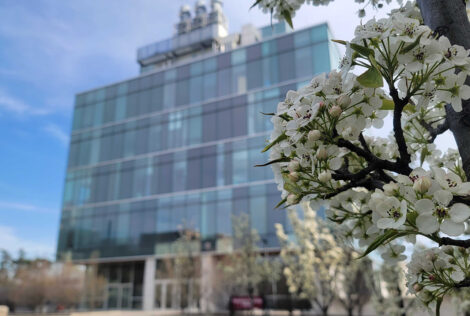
(449, 18)
(350, 311)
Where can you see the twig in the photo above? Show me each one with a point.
(434, 132)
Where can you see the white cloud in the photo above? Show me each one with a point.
(56, 132)
(10, 241)
(18, 206)
(16, 106)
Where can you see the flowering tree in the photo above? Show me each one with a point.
(389, 291)
(187, 265)
(383, 189)
(245, 267)
(319, 268)
(311, 261)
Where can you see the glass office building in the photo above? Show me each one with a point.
(175, 147)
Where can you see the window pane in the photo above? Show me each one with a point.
(195, 89)
(210, 85)
(303, 62)
(238, 56)
(255, 78)
(286, 66)
(321, 59)
(319, 33)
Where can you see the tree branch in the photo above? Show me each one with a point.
(367, 183)
(405, 157)
(446, 241)
(464, 283)
(371, 158)
(449, 18)
(434, 132)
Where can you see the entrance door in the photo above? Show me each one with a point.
(165, 296)
(171, 294)
(119, 296)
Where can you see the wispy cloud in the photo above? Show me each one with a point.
(56, 132)
(16, 106)
(11, 242)
(18, 206)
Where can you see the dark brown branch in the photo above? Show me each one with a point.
(371, 158)
(354, 176)
(383, 176)
(434, 132)
(464, 283)
(367, 183)
(405, 157)
(446, 241)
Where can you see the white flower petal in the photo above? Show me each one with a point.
(452, 229)
(459, 212)
(424, 206)
(427, 224)
(336, 163)
(458, 275)
(465, 92)
(443, 197)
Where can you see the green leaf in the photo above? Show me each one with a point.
(411, 217)
(364, 51)
(277, 140)
(291, 186)
(372, 78)
(256, 3)
(384, 239)
(378, 242)
(283, 159)
(339, 42)
(268, 114)
(424, 153)
(286, 15)
(409, 47)
(373, 62)
(281, 202)
(388, 105)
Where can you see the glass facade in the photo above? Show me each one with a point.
(177, 147)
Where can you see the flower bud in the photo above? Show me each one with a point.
(293, 165)
(449, 250)
(314, 135)
(335, 111)
(431, 257)
(417, 287)
(422, 184)
(293, 176)
(324, 176)
(343, 100)
(322, 154)
(292, 199)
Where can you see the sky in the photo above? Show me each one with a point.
(49, 51)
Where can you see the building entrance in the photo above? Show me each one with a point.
(119, 296)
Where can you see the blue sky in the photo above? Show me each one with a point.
(50, 50)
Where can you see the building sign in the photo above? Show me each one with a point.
(245, 302)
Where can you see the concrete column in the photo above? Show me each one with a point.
(207, 283)
(148, 299)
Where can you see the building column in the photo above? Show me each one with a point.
(148, 298)
(207, 283)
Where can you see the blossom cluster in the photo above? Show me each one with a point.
(319, 148)
(281, 8)
(434, 272)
